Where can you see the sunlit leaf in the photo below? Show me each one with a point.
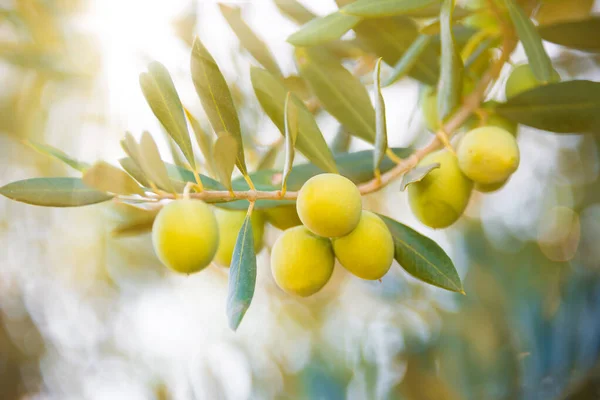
(268, 159)
(323, 29)
(294, 11)
(386, 8)
(341, 93)
(54, 192)
(133, 165)
(422, 257)
(271, 94)
(107, 178)
(58, 154)
(255, 46)
(242, 275)
(161, 95)
(532, 43)
(216, 98)
(204, 140)
(580, 35)
(564, 107)
(291, 133)
(411, 59)
(450, 84)
(225, 150)
(152, 164)
(416, 174)
(380, 122)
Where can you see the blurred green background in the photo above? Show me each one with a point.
(85, 315)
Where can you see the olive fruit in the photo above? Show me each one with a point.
(522, 79)
(283, 217)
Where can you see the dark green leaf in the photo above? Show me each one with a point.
(341, 93)
(295, 11)
(581, 35)
(58, 154)
(532, 43)
(216, 98)
(204, 141)
(271, 94)
(224, 151)
(291, 133)
(161, 95)
(54, 192)
(249, 40)
(450, 83)
(323, 29)
(380, 122)
(386, 8)
(411, 59)
(416, 174)
(242, 275)
(564, 107)
(106, 178)
(422, 257)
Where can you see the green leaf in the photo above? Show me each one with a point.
(580, 35)
(450, 84)
(242, 275)
(411, 59)
(216, 98)
(58, 154)
(152, 164)
(341, 93)
(181, 176)
(422, 257)
(564, 107)
(204, 141)
(133, 169)
(294, 11)
(161, 95)
(54, 192)
(381, 144)
(532, 43)
(106, 178)
(249, 40)
(341, 141)
(323, 29)
(225, 151)
(291, 133)
(271, 94)
(416, 174)
(386, 8)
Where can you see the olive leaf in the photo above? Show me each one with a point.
(410, 59)
(294, 11)
(291, 133)
(416, 174)
(133, 166)
(54, 192)
(381, 144)
(580, 35)
(242, 275)
(216, 98)
(161, 95)
(256, 47)
(267, 161)
(204, 141)
(341, 141)
(58, 154)
(152, 164)
(107, 178)
(323, 29)
(225, 150)
(387, 8)
(451, 68)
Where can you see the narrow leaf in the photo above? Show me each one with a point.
(271, 94)
(152, 164)
(216, 98)
(532, 43)
(161, 95)
(564, 107)
(242, 275)
(386, 8)
(106, 178)
(323, 29)
(225, 151)
(133, 169)
(341, 93)
(416, 174)
(291, 133)
(255, 46)
(268, 159)
(204, 141)
(410, 59)
(58, 154)
(341, 141)
(580, 35)
(54, 192)
(134, 166)
(450, 83)
(380, 122)
(422, 257)
(294, 11)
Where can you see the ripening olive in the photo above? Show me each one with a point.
(490, 187)
(522, 79)
(329, 205)
(488, 155)
(283, 217)
(185, 235)
(301, 262)
(440, 198)
(230, 222)
(367, 251)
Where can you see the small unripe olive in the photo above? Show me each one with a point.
(522, 79)
(283, 217)
(440, 198)
(185, 235)
(301, 262)
(490, 187)
(230, 222)
(329, 205)
(488, 154)
(367, 251)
